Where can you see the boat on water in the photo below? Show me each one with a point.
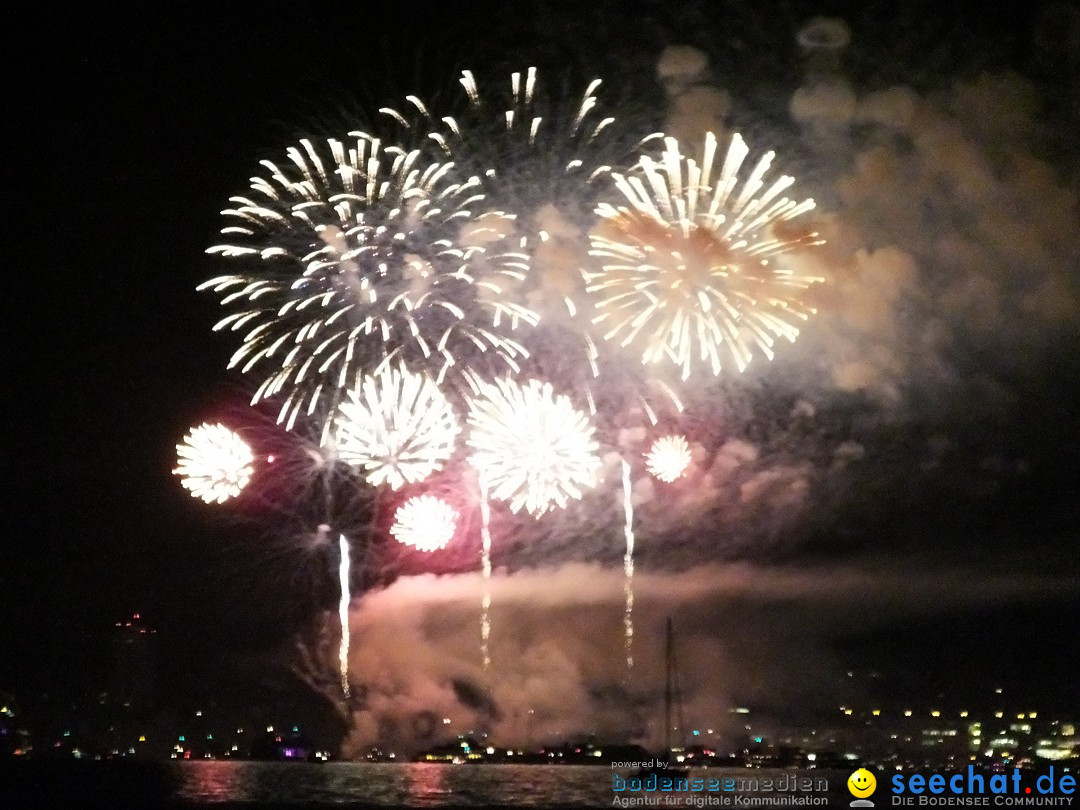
(665, 765)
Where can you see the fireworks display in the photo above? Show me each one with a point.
(353, 257)
(690, 268)
(214, 463)
(425, 522)
(397, 426)
(377, 281)
(668, 458)
(532, 448)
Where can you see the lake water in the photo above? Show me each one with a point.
(226, 785)
(394, 785)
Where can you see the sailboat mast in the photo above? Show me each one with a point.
(669, 651)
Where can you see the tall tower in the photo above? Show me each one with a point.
(133, 678)
(128, 705)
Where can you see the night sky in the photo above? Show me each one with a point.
(912, 458)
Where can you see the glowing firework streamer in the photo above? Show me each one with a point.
(628, 565)
(425, 522)
(214, 463)
(485, 568)
(688, 260)
(355, 257)
(343, 613)
(531, 447)
(397, 426)
(668, 458)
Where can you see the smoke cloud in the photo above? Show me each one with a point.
(558, 668)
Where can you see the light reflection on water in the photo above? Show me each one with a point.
(412, 785)
(214, 782)
(429, 785)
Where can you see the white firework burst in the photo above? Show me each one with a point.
(531, 447)
(668, 458)
(690, 259)
(214, 463)
(397, 426)
(425, 522)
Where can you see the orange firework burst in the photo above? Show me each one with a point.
(690, 266)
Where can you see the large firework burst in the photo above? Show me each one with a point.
(359, 255)
(397, 426)
(214, 463)
(531, 447)
(690, 259)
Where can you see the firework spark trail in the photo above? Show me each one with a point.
(353, 248)
(485, 566)
(343, 613)
(628, 566)
(214, 463)
(687, 260)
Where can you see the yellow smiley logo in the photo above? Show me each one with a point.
(861, 783)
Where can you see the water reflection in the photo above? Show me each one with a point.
(213, 781)
(419, 785)
(425, 783)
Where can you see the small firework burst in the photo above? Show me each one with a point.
(214, 463)
(425, 522)
(668, 458)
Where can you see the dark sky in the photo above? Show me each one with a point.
(125, 137)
